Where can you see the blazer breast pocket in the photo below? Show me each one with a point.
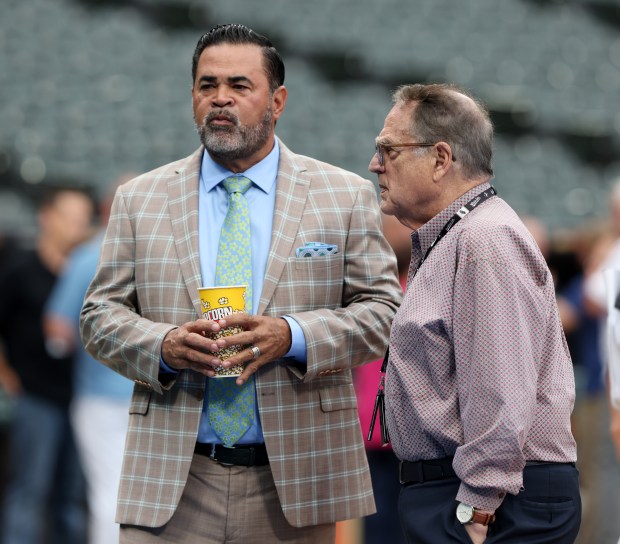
(312, 283)
(313, 263)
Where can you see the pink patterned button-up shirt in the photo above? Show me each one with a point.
(479, 368)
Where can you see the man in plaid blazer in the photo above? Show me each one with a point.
(306, 466)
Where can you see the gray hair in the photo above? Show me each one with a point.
(446, 113)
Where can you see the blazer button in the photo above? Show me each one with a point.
(200, 394)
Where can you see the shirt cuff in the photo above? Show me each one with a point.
(484, 499)
(298, 349)
(163, 367)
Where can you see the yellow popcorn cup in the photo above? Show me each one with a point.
(217, 303)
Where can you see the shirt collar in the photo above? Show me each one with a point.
(262, 174)
(427, 233)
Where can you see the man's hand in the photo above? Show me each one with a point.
(189, 347)
(271, 335)
(477, 532)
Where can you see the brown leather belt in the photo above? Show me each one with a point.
(246, 455)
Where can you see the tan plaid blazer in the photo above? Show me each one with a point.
(146, 285)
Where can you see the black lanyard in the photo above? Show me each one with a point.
(380, 398)
(461, 212)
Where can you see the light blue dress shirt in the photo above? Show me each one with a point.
(212, 208)
(91, 377)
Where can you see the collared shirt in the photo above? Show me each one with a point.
(479, 368)
(212, 208)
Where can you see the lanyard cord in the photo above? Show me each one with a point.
(461, 212)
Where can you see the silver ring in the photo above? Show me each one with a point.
(255, 352)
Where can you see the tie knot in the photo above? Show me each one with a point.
(237, 184)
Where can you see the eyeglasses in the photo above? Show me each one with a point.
(381, 149)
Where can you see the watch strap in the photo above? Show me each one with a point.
(482, 518)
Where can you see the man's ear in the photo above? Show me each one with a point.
(443, 160)
(279, 101)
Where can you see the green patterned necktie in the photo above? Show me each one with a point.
(231, 408)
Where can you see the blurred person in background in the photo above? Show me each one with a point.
(196, 470)
(605, 256)
(384, 526)
(567, 269)
(45, 492)
(580, 325)
(479, 382)
(100, 404)
(540, 233)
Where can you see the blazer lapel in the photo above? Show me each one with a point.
(183, 207)
(292, 188)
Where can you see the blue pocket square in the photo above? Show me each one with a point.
(316, 249)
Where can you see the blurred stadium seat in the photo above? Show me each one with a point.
(90, 89)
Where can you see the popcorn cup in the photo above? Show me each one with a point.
(217, 303)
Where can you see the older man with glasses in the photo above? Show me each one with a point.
(479, 382)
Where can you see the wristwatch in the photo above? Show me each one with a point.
(468, 514)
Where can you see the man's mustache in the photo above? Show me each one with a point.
(221, 115)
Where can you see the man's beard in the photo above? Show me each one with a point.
(237, 141)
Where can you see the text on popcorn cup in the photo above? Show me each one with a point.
(218, 313)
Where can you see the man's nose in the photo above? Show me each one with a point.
(222, 97)
(374, 165)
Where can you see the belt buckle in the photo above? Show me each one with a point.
(214, 457)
